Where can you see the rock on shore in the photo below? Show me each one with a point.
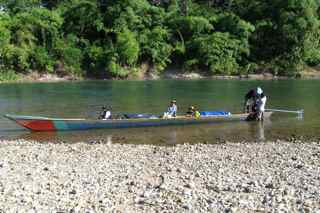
(231, 177)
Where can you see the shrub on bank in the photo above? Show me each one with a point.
(8, 76)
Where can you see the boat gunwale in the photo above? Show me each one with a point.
(22, 117)
(28, 117)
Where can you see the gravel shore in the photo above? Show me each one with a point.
(231, 177)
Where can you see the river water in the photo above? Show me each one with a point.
(84, 99)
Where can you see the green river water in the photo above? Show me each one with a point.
(84, 99)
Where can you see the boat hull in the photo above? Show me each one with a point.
(54, 124)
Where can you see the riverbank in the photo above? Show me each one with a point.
(307, 74)
(271, 176)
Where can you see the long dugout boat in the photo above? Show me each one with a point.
(35, 123)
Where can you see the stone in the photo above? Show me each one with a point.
(201, 178)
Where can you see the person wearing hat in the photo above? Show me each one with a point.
(172, 110)
(260, 103)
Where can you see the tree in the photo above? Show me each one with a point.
(16, 6)
(113, 38)
(219, 52)
(127, 48)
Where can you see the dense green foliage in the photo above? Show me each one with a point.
(114, 38)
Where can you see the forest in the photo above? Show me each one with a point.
(116, 38)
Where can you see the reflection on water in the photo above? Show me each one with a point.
(257, 129)
(213, 133)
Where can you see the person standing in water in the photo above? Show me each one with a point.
(255, 101)
(260, 103)
(249, 101)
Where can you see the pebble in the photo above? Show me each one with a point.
(98, 177)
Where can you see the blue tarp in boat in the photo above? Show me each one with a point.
(139, 115)
(214, 113)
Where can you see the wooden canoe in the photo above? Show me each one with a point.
(35, 123)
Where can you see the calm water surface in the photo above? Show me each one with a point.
(84, 99)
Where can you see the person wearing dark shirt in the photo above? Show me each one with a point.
(249, 101)
(193, 112)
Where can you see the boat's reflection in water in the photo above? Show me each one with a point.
(213, 133)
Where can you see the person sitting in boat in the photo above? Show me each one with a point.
(193, 112)
(172, 110)
(190, 111)
(105, 113)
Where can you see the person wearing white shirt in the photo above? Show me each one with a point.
(105, 114)
(172, 110)
(261, 103)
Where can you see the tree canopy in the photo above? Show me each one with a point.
(114, 38)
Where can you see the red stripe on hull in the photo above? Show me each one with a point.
(37, 125)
